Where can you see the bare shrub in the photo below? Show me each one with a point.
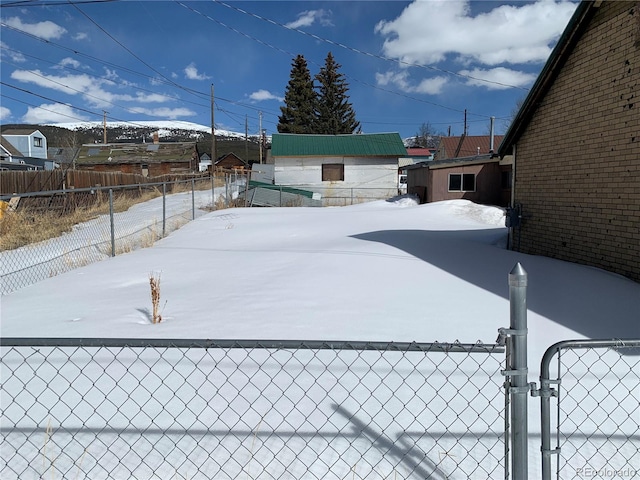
(154, 282)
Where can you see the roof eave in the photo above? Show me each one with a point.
(550, 71)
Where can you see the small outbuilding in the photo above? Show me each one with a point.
(481, 178)
(352, 167)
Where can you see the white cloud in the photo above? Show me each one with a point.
(69, 84)
(430, 86)
(191, 72)
(47, 30)
(5, 51)
(93, 90)
(169, 113)
(262, 95)
(4, 113)
(427, 32)
(152, 97)
(52, 113)
(309, 17)
(497, 78)
(69, 62)
(80, 36)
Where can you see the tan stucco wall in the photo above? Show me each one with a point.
(578, 161)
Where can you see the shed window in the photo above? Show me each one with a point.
(462, 182)
(37, 141)
(333, 172)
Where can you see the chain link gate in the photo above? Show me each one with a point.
(118, 408)
(597, 418)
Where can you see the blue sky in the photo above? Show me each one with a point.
(407, 63)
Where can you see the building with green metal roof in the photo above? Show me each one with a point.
(357, 145)
(348, 168)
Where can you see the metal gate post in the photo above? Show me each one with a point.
(519, 387)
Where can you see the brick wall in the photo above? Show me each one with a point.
(578, 161)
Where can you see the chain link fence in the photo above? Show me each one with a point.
(67, 229)
(265, 194)
(100, 408)
(596, 424)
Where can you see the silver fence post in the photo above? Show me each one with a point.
(193, 199)
(164, 210)
(113, 232)
(519, 387)
(280, 201)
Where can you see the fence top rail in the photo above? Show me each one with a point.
(614, 343)
(252, 344)
(132, 186)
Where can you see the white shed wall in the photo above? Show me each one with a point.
(358, 172)
(365, 179)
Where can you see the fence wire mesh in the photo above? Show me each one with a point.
(73, 228)
(260, 410)
(597, 418)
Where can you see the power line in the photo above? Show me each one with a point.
(36, 3)
(110, 64)
(362, 52)
(290, 54)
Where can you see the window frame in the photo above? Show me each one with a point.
(329, 168)
(38, 142)
(463, 178)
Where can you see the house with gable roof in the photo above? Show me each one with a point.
(576, 145)
(464, 167)
(24, 150)
(30, 142)
(350, 166)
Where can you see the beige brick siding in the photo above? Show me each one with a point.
(578, 161)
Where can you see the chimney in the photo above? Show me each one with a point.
(156, 138)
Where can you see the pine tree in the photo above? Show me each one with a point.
(334, 113)
(298, 112)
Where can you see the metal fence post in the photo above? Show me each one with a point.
(193, 199)
(164, 210)
(519, 387)
(112, 223)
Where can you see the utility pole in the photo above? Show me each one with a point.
(465, 122)
(104, 126)
(260, 136)
(491, 137)
(246, 138)
(213, 134)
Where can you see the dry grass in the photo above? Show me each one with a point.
(154, 282)
(25, 227)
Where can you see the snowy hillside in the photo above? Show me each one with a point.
(165, 128)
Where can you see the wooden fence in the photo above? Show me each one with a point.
(27, 182)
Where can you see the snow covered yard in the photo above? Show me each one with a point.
(380, 271)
